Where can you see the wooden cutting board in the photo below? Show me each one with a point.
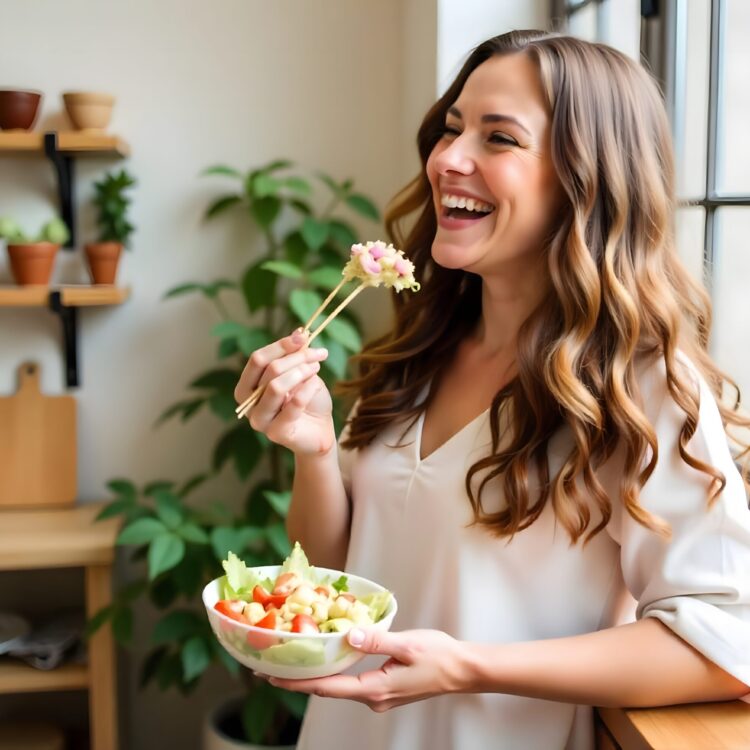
(38, 446)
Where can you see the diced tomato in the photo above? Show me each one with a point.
(286, 583)
(230, 608)
(261, 641)
(348, 596)
(261, 596)
(322, 590)
(304, 624)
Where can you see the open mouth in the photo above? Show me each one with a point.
(460, 207)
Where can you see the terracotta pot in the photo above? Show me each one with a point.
(103, 259)
(88, 110)
(32, 263)
(18, 109)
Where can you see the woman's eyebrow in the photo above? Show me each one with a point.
(492, 118)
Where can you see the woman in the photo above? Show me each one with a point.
(537, 445)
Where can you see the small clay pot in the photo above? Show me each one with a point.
(103, 259)
(88, 110)
(18, 109)
(32, 263)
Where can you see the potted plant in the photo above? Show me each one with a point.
(111, 203)
(32, 257)
(181, 540)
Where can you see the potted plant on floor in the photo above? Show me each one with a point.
(182, 541)
(32, 257)
(111, 203)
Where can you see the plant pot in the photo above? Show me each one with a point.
(18, 109)
(221, 727)
(32, 263)
(103, 259)
(88, 110)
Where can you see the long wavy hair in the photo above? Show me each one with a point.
(618, 293)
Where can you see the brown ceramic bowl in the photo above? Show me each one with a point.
(89, 110)
(18, 109)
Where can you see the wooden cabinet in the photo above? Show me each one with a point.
(69, 538)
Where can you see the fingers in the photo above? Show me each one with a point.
(338, 686)
(298, 400)
(277, 392)
(375, 641)
(261, 358)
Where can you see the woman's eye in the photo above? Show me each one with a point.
(503, 139)
(448, 130)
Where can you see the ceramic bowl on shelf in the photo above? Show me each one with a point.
(18, 109)
(295, 656)
(88, 110)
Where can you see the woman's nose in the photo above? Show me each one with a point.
(456, 157)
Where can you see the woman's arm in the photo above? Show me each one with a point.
(640, 664)
(319, 514)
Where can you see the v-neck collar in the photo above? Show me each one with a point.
(455, 436)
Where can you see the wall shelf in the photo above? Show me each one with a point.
(62, 149)
(18, 677)
(65, 301)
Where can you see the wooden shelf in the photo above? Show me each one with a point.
(18, 677)
(73, 143)
(69, 538)
(84, 295)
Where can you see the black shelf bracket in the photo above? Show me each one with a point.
(69, 319)
(64, 166)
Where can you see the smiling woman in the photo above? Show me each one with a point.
(539, 442)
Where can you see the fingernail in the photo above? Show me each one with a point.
(298, 337)
(320, 352)
(356, 637)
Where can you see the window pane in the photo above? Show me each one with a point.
(691, 95)
(689, 226)
(583, 23)
(733, 163)
(731, 328)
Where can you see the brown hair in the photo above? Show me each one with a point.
(618, 293)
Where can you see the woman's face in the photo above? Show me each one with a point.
(493, 183)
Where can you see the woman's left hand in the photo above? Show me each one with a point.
(422, 663)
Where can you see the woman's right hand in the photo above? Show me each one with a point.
(295, 409)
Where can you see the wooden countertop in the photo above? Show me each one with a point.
(693, 726)
(66, 538)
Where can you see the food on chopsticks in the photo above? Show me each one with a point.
(372, 264)
(298, 600)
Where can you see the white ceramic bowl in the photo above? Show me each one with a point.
(294, 656)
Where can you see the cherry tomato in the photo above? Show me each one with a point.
(230, 608)
(286, 583)
(261, 596)
(304, 624)
(261, 641)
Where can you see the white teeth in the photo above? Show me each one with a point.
(460, 201)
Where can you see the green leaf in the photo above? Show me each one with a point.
(295, 249)
(164, 553)
(169, 671)
(231, 664)
(242, 445)
(122, 625)
(258, 713)
(278, 539)
(221, 169)
(228, 329)
(169, 509)
(132, 591)
(341, 584)
(223, 405)
(183, 289)
(279, 501)
(254, 338)
(141, 531)
(283, 268)
(330, 182)
(265, 210)
(192, 483)
(184, 408)
(259, 287)
(212, 290)
(295, 703)
(314, 232)
(343, 234)
(302, 206)
(303, 303)
(114, 508)
(191, 532)
(265, 185)
(220, 205)
(345, 333)
(276, 165)
(325, 277)
(151, 665)
(363, 205)
(124, 488)
(164, 591)
(337, 359)
(158, 485)
(178, 625)
(298, 185)
(218, 380)
(225, 539)
(195, 658)
(226, 348)
(99, 619)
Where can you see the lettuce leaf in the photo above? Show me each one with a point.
(298, 563)
(239, 581)
(377, 603)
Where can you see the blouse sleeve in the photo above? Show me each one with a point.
(346, 457)
(697, 583)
